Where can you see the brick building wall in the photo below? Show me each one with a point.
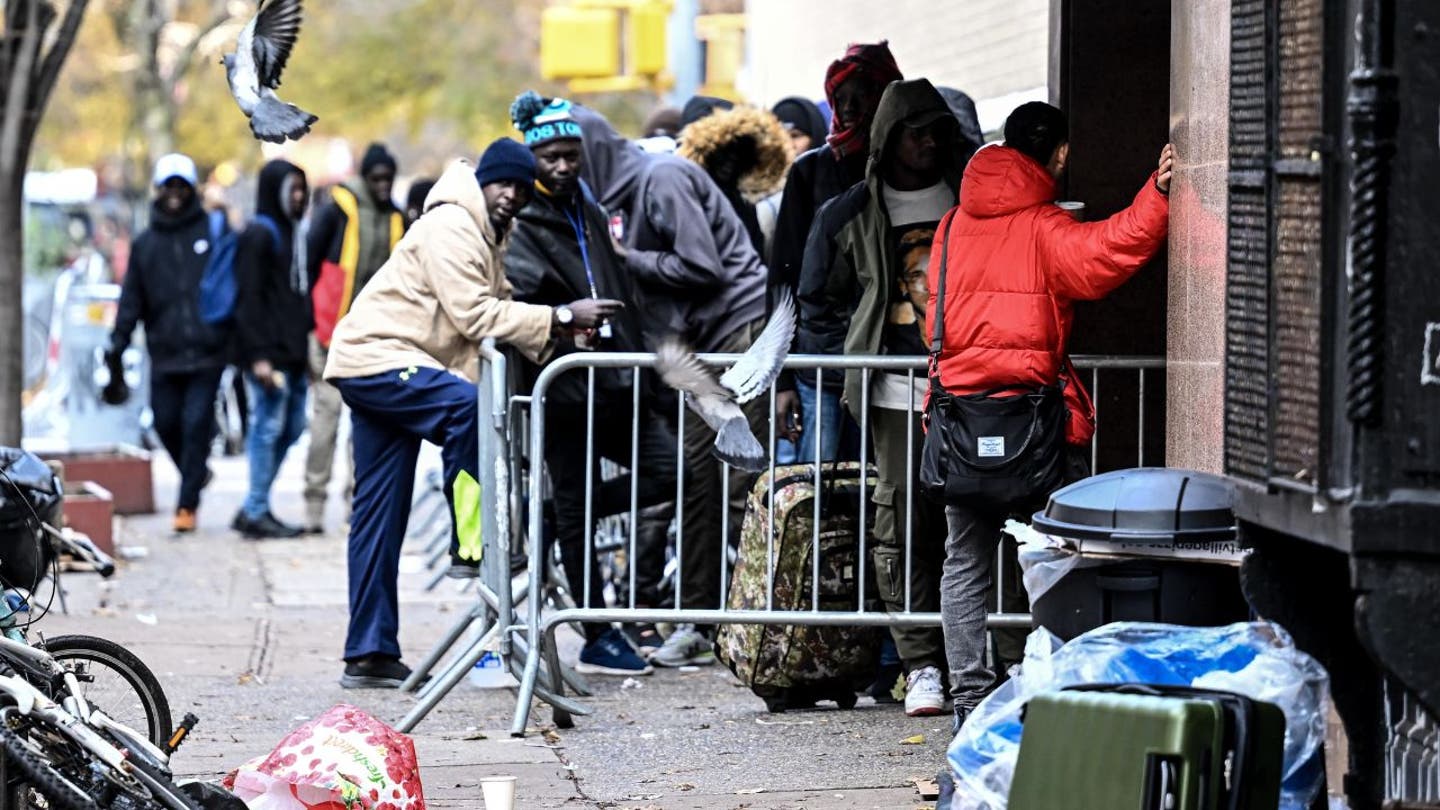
(995, 50)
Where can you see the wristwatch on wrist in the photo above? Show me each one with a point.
(564, 316)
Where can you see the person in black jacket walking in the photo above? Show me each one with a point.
(273, 319)
(162, 289)
(560, 251)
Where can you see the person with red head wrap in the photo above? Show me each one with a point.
(853, 84)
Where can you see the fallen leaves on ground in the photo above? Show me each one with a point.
(918, 739)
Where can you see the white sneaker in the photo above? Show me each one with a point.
(685, 647)
(924, 694)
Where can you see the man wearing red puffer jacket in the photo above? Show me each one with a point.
(1017, 263)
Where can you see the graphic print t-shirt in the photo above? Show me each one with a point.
(914, 215)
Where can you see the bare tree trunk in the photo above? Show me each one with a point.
(27, 77)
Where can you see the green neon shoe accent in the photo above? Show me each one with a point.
(466, 507)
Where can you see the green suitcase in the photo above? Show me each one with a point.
(1137, 747)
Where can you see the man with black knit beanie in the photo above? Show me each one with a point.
(350, 237)
(405, 360)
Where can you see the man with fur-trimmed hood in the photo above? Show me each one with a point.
(743, 149)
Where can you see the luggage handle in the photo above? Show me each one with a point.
(1236, 775)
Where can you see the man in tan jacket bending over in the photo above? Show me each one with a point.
(396, 358)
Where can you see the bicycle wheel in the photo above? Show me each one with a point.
(34, 782)
(115, 680)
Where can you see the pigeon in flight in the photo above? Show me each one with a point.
(718, 401)
(254, 69)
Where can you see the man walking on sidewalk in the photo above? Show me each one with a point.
(862, 291)
(397, 360)
(273, 319)
(350, 237)
(187, 355)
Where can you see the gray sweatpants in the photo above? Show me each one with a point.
(964, 592)
(967, 584)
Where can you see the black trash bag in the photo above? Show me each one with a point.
(29, 493)
(210, 796)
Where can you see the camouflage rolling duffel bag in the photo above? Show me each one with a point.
(796, 666)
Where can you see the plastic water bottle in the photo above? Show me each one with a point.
(490, 673)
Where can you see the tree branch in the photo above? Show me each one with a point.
(218, 17)
(55, 59)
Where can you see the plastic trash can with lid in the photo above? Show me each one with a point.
(1154, 545)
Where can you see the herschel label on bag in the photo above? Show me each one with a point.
(990, 447)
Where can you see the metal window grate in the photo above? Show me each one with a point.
(1273, 303)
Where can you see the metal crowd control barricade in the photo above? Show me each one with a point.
(493, 623)
(542, 651)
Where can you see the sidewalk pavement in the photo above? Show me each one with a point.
(247, 635)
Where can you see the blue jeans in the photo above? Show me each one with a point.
(832, 416)
(277, 418)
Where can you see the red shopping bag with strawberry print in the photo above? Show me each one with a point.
(342, 760)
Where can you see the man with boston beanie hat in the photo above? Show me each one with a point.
(350, 237)
(561, 250)
(405, 360)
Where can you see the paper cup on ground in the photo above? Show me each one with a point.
(499, 792)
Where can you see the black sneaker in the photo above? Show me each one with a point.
(883, 689)
(962, 713)
(290, 529)
(374, 672)
(263, 528)
(462, 569)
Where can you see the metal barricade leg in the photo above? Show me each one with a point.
(417, 675)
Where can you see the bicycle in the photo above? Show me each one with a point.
(70, 753)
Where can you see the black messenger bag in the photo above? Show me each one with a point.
(1000, 448)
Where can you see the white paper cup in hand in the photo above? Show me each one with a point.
(499, 792)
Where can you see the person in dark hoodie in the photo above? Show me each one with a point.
(415, 199)
(853, 85)
(273, 319)
(350, 237)
(863, 291)
(745, 151)
(803, 122)
(187, 355)
(697, 276)
(560, 251)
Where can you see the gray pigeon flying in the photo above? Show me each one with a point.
(718, 401)
(254, 69)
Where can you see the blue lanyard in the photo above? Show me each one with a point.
(578, 223)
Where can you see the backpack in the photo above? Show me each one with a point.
(218, 288)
